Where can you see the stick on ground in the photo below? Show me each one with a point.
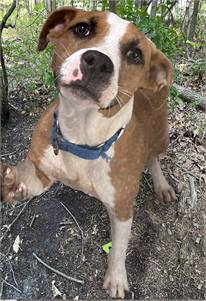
(56, 271)
(82, 234)
(16, 218)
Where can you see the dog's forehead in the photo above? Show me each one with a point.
(118, 28)
(111, 40)
(120, 31)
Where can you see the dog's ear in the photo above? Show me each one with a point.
(160, 72)
(55, 25)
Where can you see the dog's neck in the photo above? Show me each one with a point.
(81, 122)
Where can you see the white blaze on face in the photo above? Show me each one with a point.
(111, 42)
(110, 46)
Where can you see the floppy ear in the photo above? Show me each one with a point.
(160, 72)
(55, 25)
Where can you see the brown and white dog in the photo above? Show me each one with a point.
(110, 77)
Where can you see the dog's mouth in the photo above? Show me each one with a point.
(82, 92)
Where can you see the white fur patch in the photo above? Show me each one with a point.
(82, 124)
(85, 175)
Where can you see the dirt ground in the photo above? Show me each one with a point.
(167, 252)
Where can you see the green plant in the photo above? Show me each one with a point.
(166, 38)
(26, 66)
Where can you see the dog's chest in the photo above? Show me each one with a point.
(90, 176)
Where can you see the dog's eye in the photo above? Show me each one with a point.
(134, 56)
(82, 30)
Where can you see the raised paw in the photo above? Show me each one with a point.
(116, 283)
(12, 191)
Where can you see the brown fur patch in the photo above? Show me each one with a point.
(145, 136)
(41, 137)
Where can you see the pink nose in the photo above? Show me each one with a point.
(72, 72)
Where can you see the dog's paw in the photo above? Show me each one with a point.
(164, 191)
(116, 283)
(12, 191)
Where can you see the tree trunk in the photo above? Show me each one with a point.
(153, 8)
(3, 73)
(193, 22)
(112, 6)
(94, 4)
(189, 95)
(185, 21)
(4, 107)
(27, 6)
(50, 5)
(137, 3)
(53, 5)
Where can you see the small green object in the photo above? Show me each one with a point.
(107, 247)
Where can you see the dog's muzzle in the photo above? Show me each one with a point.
(88, 73)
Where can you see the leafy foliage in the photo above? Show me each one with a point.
(26, 67)
(167, 39)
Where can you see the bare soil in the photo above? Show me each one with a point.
(167, 251)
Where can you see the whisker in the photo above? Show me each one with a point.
(124, 90)
(59, 56)
(67, 50)
(125, 93)
(119, 100)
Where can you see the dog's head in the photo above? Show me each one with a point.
(99, 56)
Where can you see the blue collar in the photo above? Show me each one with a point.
(83, 151)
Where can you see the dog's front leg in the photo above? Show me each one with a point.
(116, 276)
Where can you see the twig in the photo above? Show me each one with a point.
(193, 193)
(32, 221)
(14, 107)
(56, 271)
(157, 264)
(16, 218)
(36, 18)
(8, 154)
(148, 184)
(9, 284)
(11, 268)
(186, 171)
(1, 289)
(82, 234)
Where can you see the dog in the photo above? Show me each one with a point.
(109, 123)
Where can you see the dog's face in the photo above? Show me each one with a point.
(101, 57)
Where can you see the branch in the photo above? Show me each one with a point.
(56, 271)
(189, 95)
(169, 9)
(2, 62)
(8, 14)
(9, 25)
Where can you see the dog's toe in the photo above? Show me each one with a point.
(165, 192)
(116, 283)
(11, 190)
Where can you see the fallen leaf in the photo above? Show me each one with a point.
(16, 244)
(55, 291)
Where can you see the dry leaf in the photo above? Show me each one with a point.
(16, 244)
(55, 291)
